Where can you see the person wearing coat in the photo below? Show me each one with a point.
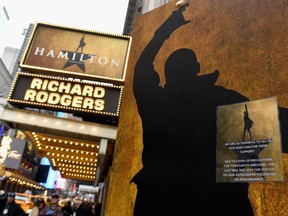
(12, 208)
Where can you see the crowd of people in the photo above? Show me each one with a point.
(49, 207)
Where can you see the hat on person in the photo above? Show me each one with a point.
(11, 194)
(55, 196)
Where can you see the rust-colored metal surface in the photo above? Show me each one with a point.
(247, 42)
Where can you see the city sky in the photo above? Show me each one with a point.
(98, 15)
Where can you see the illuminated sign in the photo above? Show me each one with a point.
(60, 183)
(51, 176)
(71, 51)
(40, 91)
(11, 151)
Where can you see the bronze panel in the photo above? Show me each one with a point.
(247, 42)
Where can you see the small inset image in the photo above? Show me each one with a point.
(249, 142)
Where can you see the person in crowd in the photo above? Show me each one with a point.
(54, 208)
(43, 212)
(83, 209)
(3, 200)
(67, 209)
(12, 208)
(90, 208)
(38, 206)
(75, 204)
(42, 209)
(35, 209)
(97, 209)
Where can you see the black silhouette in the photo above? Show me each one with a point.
(77, 58)
(179, 135)
(81, 44)
(247, 124)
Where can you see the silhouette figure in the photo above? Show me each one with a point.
(247, 124)
(179, 134)
(81, 45)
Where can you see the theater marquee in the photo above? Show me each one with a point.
(40, 91)
(77, 52)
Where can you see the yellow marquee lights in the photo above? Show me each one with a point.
(75, 159)
(64, 141)
(25, 183)
(66, 95)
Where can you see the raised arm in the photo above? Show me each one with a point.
(145, 75)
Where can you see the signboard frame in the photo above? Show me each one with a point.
(82, 53)
(23, 82)
(249, 147)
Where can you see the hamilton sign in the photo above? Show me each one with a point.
(75, 52)
(70, 95)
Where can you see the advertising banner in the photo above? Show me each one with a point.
(77, 52)
(14, 149)
(249, 142)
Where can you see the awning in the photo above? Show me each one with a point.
(71, 145)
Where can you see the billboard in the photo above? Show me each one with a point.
(194, 59)
(249, 142)
(72, 51)
(41, 91)
(12, 150)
